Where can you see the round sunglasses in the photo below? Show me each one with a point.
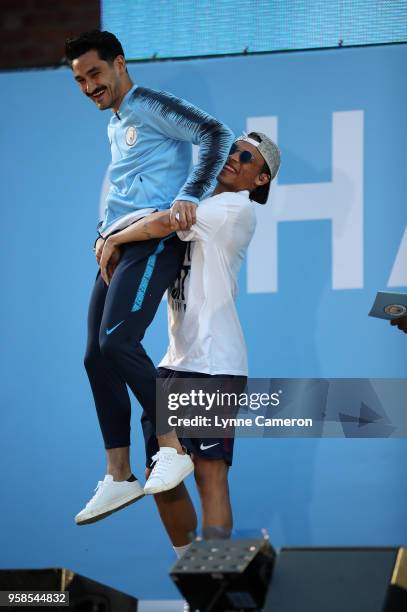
(245, 156)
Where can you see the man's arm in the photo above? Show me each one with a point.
(156, 225)
(401, 323)
(211, 219)
(180, 120)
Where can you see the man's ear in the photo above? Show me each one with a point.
(120, 63)
(262, 179)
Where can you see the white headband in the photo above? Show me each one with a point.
(246, 138)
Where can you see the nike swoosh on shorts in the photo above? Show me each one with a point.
(202, 447)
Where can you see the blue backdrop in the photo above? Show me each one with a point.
(334, 236)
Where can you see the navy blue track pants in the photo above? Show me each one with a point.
(119, 315)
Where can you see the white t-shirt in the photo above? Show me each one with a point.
(204, 329)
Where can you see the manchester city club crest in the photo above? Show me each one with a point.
(131, 135)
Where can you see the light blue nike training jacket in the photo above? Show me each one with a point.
(150, 138)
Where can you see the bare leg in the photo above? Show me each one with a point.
(177, 513)
(211, 477)
(118, 462)
(170, 439)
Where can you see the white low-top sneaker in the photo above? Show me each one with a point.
(170, 469)
(111, 495)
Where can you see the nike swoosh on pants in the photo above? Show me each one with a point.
(109, 331)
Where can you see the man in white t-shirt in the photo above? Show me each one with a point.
(206, 339)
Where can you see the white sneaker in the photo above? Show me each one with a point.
(170, 469)
(110, 496)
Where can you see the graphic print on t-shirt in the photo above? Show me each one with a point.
(204, 330)
(176, 293)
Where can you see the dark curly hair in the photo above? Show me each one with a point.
(105, 43)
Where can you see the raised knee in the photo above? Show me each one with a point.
(109, 346)
(92, 358)
(113, 345)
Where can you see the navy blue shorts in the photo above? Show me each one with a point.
(207, 448)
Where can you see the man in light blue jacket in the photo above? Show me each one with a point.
(150, 134)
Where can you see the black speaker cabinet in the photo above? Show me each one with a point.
(223, 575)
(339, 580)
(85, 595)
